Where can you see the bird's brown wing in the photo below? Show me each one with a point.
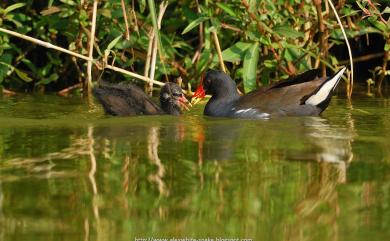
(282, 97)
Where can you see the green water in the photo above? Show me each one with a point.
(68, 172)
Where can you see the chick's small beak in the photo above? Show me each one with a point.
(183, 102)
(199, 94)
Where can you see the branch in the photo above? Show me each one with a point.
(51, 46)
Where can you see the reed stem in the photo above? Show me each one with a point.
(350, 83)
(219, 52)
(91, 42)
(154, 41)
(125, 18)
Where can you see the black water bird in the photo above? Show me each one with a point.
(125, 99)
(303, 95)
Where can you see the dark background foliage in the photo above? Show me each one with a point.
(262, 41)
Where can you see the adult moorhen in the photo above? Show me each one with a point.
(125, 99)
(303, 95)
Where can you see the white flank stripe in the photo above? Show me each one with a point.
(243, 111)
(263, 115)
(323, 93)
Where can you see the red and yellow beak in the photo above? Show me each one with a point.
(183, 102)
(199, 94)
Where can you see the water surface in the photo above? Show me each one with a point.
(68, 172)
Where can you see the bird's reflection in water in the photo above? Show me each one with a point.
(297, 139)
(169, 145)
(324, 146)
(333, 143)
(220, 139)
(334, 156)
(138, 143)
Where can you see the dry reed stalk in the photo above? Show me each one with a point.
(350, 83)
(80, 56)
(219, 52)
(91, 42)
(386, 59)
(43, 43)
(137, 76)
(125, 18)
(149, 53)
(65, 91)
(8, 92)
(153, 41)
(153, 63)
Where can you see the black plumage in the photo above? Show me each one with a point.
(125, 99)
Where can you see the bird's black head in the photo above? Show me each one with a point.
(172, 99)
(216, 83)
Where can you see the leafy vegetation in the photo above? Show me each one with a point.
(261, 40)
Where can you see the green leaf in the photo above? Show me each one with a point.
(203, 60)
(30, 65)
(194, 23)
(50, 10)
(360, 5)
(347, 11)
(52, 78)
(236, 52)
(378, 24)
(152, 10)
(5, 61)
(13, 7)
(142, 5)
(266, 27)
(270, 63)
(265, 40)
(334, 60)
(387, 10)
(287, 31)
(252, 5)
(250, 66)
(189, 14)
(69, 2)
(227, 9)
(253, 35)
(106, 13)
(113, 43)
(387, 47)
(23, 75)
(288, 54)
(215, 24)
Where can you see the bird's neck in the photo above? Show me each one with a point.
(222, 102)
(226, 89)
(171, 109)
